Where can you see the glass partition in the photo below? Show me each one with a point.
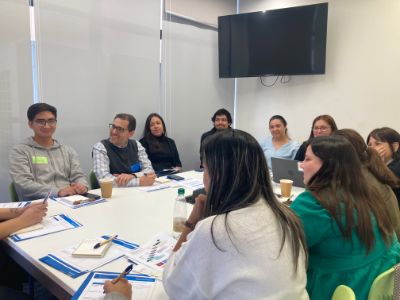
(192, 89)
(16, 91)
(97, 59)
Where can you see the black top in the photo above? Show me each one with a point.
(162, 153)
(301, 153)
(206, 135)
(394, 166)
(203, 137)
(121, 159)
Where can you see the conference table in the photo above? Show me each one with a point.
(132, 213)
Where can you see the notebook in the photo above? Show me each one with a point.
(29, 228)
(86, 249)
(287, 169)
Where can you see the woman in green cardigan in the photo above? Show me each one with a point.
(349, 235)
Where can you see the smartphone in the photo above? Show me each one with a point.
(91, 196)
(192, 198)
(175, 177)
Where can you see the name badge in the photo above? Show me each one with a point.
(40, 160)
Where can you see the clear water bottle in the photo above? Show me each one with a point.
(180, 212)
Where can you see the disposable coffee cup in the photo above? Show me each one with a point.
(286, 187)
(106, 186)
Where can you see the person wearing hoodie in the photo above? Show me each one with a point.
(41, 164)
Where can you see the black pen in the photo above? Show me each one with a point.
(123, 274)
(99, 244)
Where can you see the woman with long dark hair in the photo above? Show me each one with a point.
(243, 243)
(350, 236)
(161, 150)
(377, 173)
(323, 125)
(386, 141)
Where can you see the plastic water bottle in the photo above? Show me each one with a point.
(180, 212)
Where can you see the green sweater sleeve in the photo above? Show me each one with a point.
(316, 220)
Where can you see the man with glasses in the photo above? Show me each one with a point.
(41, 164)
(121, 158)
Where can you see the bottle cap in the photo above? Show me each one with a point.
(181, 191)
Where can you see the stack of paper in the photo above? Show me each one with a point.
(50, 225)
(76, 201)
(151, 257)
(92, 287)
(29, 228)
(154, 187)
(15, 204)
(193, 184)
(64, 262)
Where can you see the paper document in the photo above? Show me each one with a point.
(15, 204)
(92, 287)
(50, 225)
(154, 187)
(29, 228)
(76, 201)
(153, 255)
(193, 184)
(163, 179)
(64, 262)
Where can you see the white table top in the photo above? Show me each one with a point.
(135, 215)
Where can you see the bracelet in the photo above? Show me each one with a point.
(189, 225)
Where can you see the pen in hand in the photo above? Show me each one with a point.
(123, 274)
(98, 245)
(47, 197)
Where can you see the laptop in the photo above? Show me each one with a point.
(287, 169)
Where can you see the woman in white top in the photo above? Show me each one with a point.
(239, 241)
(279, 143)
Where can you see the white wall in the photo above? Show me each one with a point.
(360, 88)
(202, 10)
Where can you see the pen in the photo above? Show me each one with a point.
(98, 245)
(47, 197)
(123, 274)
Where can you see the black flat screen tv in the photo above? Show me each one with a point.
(288, 41)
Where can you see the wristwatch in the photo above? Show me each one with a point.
(189, 225)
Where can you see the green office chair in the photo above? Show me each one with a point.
(343, 292)
(94, 183)
(382, 287)
(13, 193)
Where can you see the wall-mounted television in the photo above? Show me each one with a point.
(288, 41)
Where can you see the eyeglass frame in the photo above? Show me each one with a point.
(321, 129)
(43, 122)
(117, 128)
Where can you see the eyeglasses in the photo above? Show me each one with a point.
(117, 128)
(322, 129)
(43, 122)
